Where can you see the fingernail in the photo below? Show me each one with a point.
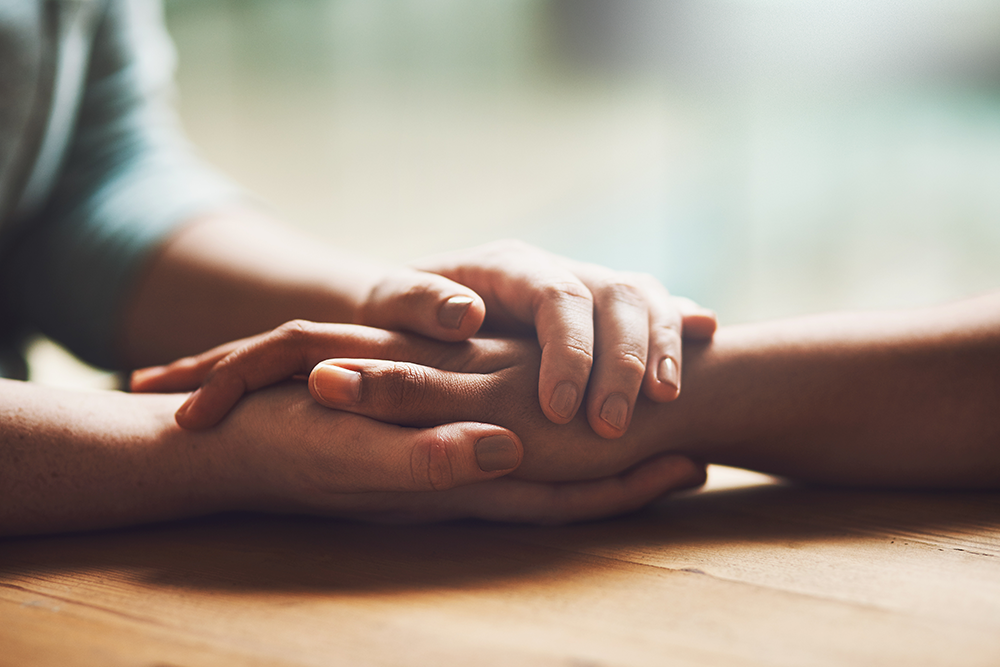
(667, 373)
(336, 384)
(563, 401)
(496, 452)
(615, 411)
(186, 405)
(452, 311)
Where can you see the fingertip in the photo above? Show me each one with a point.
(610, 419)
(680, 473)
(203, 409)
(183, 416)
(425, 303)
(700, 326)
(458, 317)
(142, 379)
(563, 402)
(333, 385)
(462, 453)
(662, 382)
(498, 452)
(452, 311)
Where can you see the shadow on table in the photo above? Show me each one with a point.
(285, 554)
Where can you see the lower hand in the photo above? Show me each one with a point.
(489, 380)
(292, 454)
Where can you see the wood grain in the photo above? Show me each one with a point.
(763, 574)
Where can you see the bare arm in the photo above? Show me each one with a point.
(96, 459)
(84, 460)
(908, 398)
(232, 274)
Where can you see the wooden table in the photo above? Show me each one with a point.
(737, 575)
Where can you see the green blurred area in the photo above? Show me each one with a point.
(766, 158)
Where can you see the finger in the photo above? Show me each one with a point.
(424, 303)
(514, 500)
(699, 323)
(671, 319)
(598, 499)
(622, 340)
(184, 374)
(400, 392)
(662, 381)
(525, 286)
(564, 318)
(291, 349)
(393, 458)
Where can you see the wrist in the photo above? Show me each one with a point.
(203, 472)
(717, 405)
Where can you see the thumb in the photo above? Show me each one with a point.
(444, 457)
(424, 303)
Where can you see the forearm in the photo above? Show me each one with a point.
(233, 274)
(889, 399)
(82, 460)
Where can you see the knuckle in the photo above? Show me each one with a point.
(430, 465)
(620, 365)
(227, 371)
(665, 334)
(573, 351)
(666, 329)
(404, 386)
(295, 330)
(622, 292)
(628, 362)
(566, 296)
(416, 293)
(565, 290)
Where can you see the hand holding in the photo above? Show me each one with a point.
(604, 334)
(411, 381)
(291, 454)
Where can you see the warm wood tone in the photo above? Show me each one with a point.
(761, 574)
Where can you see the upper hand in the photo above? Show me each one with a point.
(604, 334)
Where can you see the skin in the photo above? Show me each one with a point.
(86, 460)
(236, 273)
(903, 399)
(71, 461)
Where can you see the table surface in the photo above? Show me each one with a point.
(746, 572)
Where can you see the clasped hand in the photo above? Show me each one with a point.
(431, 416)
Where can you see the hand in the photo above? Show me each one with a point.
(295, 455)
(228, 371)
(618, 331)
(285, 439)
(487, 380)
(635, 319)
(425, 383)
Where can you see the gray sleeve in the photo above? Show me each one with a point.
(130, 178)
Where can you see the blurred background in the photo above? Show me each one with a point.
(765, 157)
